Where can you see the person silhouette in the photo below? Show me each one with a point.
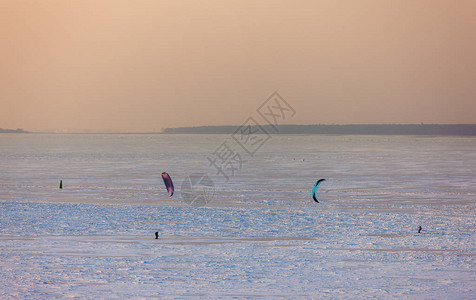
(419, 229)
(156, 235)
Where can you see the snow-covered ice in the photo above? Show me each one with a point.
(261, 235)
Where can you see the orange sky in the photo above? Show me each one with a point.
(114, 65)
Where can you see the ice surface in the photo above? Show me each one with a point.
(262, 235)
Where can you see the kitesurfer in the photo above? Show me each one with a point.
(419, 229)
(156, 235)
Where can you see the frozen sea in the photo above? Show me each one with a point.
(259, 234)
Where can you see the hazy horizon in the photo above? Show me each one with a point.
(142, 66)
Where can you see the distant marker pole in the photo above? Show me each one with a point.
(61, 184)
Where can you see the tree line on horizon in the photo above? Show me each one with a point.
(18, 130)
(365, 129)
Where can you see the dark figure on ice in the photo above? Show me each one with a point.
(419, 229)
(157, 235)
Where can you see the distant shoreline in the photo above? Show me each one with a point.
(350, 129)
(18, 130)
(319, 129)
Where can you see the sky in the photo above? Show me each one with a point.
(141, 66)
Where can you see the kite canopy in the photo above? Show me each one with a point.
(314, 189)
(168, 183)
